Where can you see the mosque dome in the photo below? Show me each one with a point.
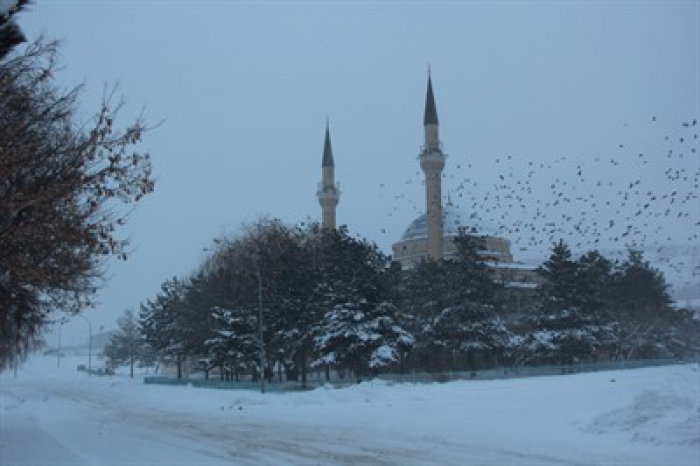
(413, 245)
(453, 221)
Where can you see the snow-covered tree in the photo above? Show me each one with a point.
(456, 308)
(459, 335)
(289, 280)
(234, 345)
(275, 260)
(362, 337)
(204, 291)
(162, 322)
(573, 319)
(591, 307)
(353, 284)
(568, 336)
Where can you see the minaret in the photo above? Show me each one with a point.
(328, 190)
(432, 161)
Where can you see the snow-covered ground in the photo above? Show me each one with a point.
(52, 416)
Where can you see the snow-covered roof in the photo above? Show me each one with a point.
(452, 221)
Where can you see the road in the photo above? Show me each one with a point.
(73, 419)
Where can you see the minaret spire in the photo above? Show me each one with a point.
(328, 190)
(430, 116)
(432, 161)
(327, 149)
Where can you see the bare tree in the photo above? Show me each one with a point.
(65, 188)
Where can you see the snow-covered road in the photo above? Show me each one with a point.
(646, 416)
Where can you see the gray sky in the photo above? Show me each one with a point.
(535, 92)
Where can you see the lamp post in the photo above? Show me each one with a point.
(260, 325)
(89, 343)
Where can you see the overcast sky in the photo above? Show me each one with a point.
(587, 96)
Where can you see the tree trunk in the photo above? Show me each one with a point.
(132, 356)
(292, 372)
(304, 371)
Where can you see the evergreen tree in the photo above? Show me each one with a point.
(573, 321)
(357, 328)
(466, 336)
(203, 291)
(362, 337)
(233, 345)
(471, 279)
(681, 335)
(639, 295)
(162, 323)
(594, 282)
(126, 345)
(568, 336)
(638, 287)
(425, 290)
(455, 304)
(561, 289)
(349, 268)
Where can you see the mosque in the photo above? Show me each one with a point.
(432, 234)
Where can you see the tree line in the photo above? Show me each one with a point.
(333, 301)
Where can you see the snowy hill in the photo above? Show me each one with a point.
(641, 417)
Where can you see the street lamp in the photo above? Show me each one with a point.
(59, 350)
(89, 342)
(260, 325)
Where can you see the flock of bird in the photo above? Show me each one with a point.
(627, 198)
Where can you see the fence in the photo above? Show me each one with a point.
(318, 379)
(529, 371)
(226, 385)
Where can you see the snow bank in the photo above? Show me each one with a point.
(668, 416)
(644, 416)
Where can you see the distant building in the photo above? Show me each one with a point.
(432, 234)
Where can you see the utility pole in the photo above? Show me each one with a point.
(58, 353)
